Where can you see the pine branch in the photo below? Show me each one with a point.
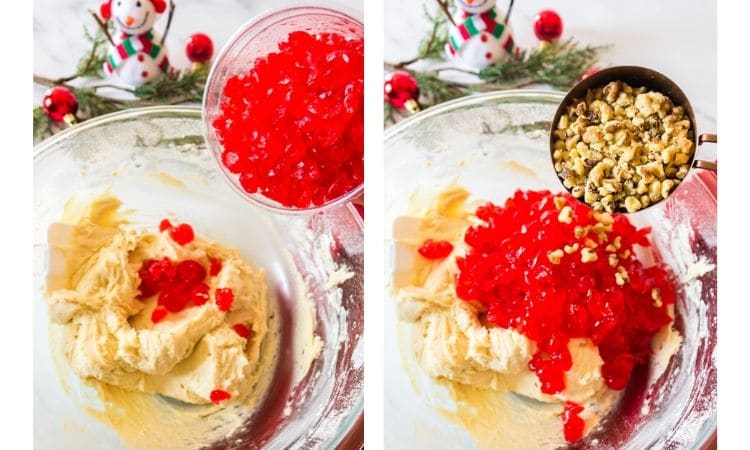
(446, 8)
(558, 64)
(91, 65)
(176, 87)
(43, 125)
(433, 46)
(437, 90)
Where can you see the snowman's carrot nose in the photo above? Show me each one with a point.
(468, 2)
(129, 21)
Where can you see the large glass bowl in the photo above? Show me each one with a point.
(493, 144)
(157, 162)
(260, 36)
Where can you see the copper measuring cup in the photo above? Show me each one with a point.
(636, 76)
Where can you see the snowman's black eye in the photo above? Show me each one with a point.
(138, 4)
(119, 3)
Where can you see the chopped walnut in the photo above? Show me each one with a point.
(566, 215)
(613, 260)
(555, 256)
(588, 255)
(622, 148)
(570, 249)
(656, 297)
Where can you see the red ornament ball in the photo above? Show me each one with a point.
(589, 72)
(199, 48)
(399, 88)
(60, 102)
(548, 25)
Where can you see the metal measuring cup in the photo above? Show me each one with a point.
(636, 76)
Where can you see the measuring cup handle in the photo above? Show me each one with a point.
(699, 164)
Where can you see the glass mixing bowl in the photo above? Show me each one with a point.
(257, 38)
(493, 144)
(157, 162)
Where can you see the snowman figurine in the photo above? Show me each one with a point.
(479, 38)
(137, 57)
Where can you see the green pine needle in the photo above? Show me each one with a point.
(558, 64)
(175, 87)
(42, 125)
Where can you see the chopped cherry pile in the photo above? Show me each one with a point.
(179, 284)
(435, 249)
(291, 127)
(552, 269)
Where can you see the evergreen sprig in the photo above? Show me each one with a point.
(559, 64)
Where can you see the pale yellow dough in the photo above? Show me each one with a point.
(107, 332)
(451, 345)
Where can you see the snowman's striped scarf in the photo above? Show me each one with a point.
(132, 45)
(476, 24)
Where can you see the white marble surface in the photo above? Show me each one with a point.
(675, 37)
(59, 41)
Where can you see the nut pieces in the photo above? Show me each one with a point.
(622, 148)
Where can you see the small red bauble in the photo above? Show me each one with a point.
(401, 90)
(548, 26)
(199, 48)
(60, 104)
(589, 72)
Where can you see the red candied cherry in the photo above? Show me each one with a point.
(217, 396)
(164, 225)
(147, 289)
(242, 330)
(161, 269)
(199, 294)
(235, 162)
(154, 274)
(190, 272)
(616, 372)
(431, 249)
(158, 314)
(215, 267)
(224, 298)
(573, 425)
(174, 298)
(182, 234)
